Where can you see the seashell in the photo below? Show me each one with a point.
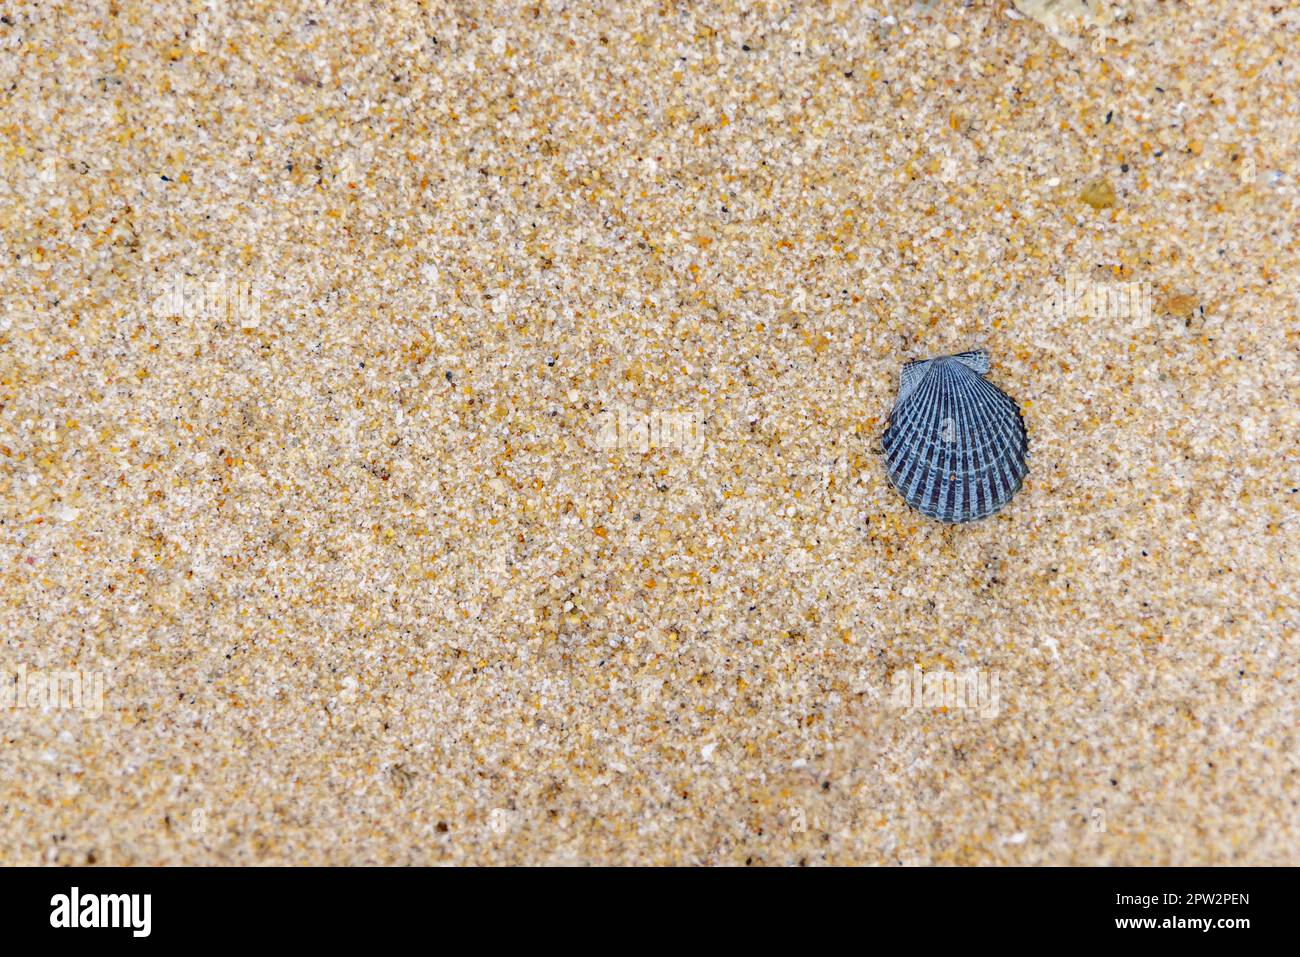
(955, 446)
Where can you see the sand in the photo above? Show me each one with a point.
(450, 434)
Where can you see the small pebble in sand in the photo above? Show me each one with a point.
(1179, 304)
(1098, 193)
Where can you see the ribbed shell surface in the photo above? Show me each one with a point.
(956, 446)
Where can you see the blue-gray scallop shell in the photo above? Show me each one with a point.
(956, 445)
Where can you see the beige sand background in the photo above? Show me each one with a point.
(362, 577)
